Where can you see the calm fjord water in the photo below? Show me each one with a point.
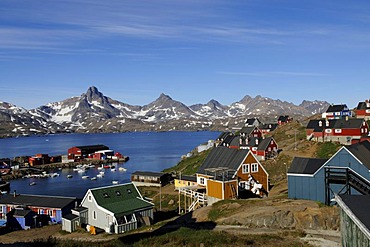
(148, 151)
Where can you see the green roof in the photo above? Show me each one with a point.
(120, 199)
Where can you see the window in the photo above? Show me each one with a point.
(105, 195)
(338, 131)
(89, 198)
(50, 212)
(202, 181)
(129, 191)
(245, 168)
(118, 193)
(327, 130)
(254, 167)
(94, 215)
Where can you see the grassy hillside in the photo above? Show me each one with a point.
(189, 166)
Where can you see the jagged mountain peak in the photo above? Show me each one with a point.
(93, 94)
(94, 112)
(164, 97)
(213, 102)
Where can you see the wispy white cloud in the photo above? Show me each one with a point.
(274, 73)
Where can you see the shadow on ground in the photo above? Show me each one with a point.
(185, 220)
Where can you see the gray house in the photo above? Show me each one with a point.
(114, 209)
(346, 172)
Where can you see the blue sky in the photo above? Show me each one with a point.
(193, 51)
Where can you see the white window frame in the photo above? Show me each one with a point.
(202, 181)
(327, 130)
(254, 167)
(245, 169)
(338, 131)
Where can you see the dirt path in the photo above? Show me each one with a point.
(323, 238)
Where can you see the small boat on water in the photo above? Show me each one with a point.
(85, 177)
(115, 182)
(100, 175)
(32, 183)
(122, 169)
(113, 169)
(69, 176)
(93, 178)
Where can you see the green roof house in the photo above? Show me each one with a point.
(116, 209)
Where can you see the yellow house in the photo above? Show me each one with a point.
(227, 171)
(185, 181)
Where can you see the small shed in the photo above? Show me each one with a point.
(70, 222)
(21, 218)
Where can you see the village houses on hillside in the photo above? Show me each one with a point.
(338, 125)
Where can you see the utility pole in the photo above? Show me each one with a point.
(160, 196)
(295, 140)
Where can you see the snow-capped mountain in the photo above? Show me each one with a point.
(212, 110)
(94, 112)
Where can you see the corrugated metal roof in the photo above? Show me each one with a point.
(352, 123)
(337, 108)
(361, 151)
(70, 217)
(247, 130)
(188, 178)
(223, 157)
(264, 143)
(359, 205)
(302, 165)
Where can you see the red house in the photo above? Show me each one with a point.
(251, 131)
(267, 148)
(262, 148)
(82, 152)
(343, 131)
(363, 110)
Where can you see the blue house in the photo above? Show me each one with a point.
(47, 208)
(21, 218)
(346, 172)
(337, 112)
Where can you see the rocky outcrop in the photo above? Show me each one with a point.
(277, 214)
